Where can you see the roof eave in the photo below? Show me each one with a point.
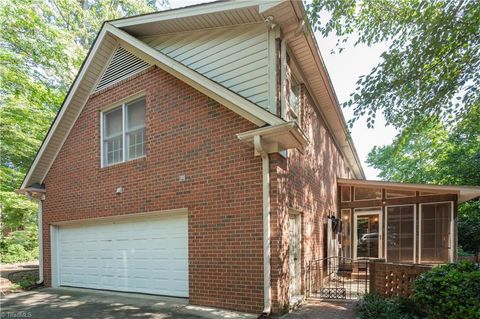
(185, 12)
(465, 193)
(344, 140)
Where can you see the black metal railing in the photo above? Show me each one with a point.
(337, 278)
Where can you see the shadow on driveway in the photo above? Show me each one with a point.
(75, 303)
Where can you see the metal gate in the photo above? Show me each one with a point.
(337, 278)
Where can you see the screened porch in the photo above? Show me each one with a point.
(401, 223)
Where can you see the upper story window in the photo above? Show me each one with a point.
(123, 133)
(294, 100)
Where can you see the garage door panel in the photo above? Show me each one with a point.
(149, 256)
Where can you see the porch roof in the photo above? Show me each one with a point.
(464, 193)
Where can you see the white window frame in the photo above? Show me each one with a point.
(451, 249)
(123, 106)
(380, 228)
(414, 229)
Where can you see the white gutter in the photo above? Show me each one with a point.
(267, 295)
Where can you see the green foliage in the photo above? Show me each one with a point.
(449, 291)
(42, 45)
(19, 246)
(431, 66)
(469, 226)
(374, 306)
(25, 282)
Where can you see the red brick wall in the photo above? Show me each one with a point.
(307, 183)
(392, 279)
(187, 134)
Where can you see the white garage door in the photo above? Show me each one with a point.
(146, 256)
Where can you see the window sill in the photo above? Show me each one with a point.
(119, 164)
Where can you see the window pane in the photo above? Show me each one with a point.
(363, 193)
(113, 150)
(113, 123)
(435, 232)
(400, 230)
(427, 193)
(397, 193)
(136, 114)
(367, 236)
(294, 98)
(345, 193)
(136, 143)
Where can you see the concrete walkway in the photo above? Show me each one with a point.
(321, 309)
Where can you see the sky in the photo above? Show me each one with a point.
(344, 69)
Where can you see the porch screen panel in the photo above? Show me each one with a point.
(400, 234)
(435, 232)
(345, 236)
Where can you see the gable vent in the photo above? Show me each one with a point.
(122, 65)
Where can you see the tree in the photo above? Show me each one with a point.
(431, 67)
(42, 45)
(434, 154)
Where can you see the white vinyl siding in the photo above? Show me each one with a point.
(235, 57)
(123, 133)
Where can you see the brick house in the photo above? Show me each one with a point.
(199, 154)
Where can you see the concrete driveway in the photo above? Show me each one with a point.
(66, 303)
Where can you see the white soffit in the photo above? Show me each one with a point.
(195, 17)
(278, 137)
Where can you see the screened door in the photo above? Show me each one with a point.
(367, 234)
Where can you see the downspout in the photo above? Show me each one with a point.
(40, 241)
(40, 235)
(267, 296)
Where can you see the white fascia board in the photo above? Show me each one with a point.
(195, 10)
(65, 104)
(231, 100)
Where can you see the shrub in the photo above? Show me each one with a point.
(374, 306)
(24, 281)
(449, 291)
